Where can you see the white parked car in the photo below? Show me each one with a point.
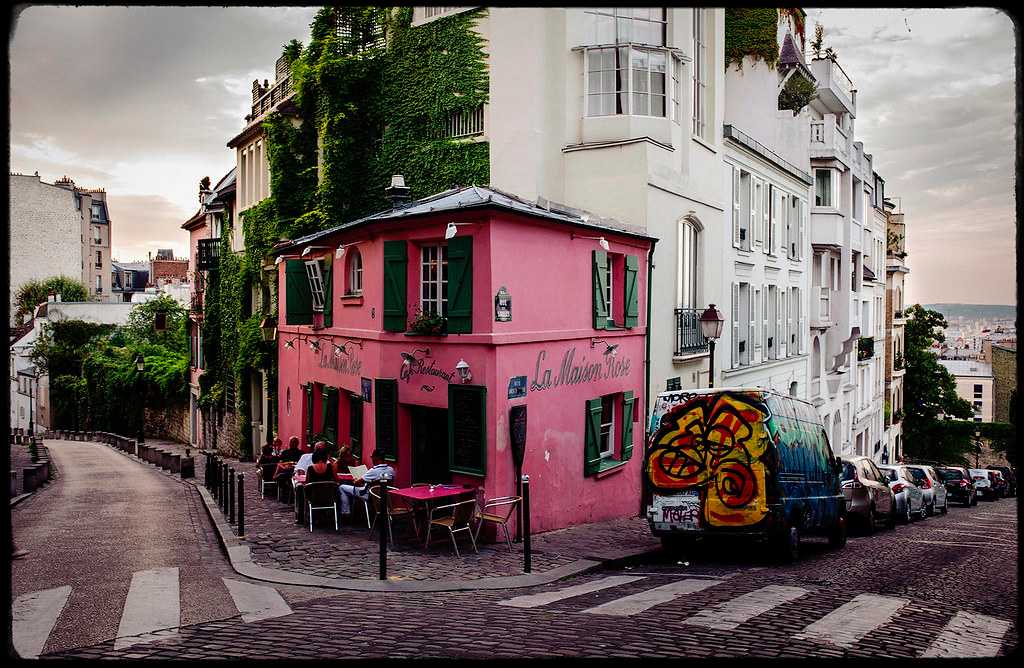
(982, 484)
(932, 487)
(909, 497)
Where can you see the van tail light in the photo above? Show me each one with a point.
(963, 483)
(898, 487)
(926, 484)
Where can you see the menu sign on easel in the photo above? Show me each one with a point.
(467, 429)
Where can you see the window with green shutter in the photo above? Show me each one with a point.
(467, 429)
(599, 273)
(355, 424)
(328, 311)
(308, 387)
(298, 298)
(396, 261)
(329, 410)
(600, 434)
(460, 285)
(627, 425)
(631, 290)
(386, 416)
(592, 438)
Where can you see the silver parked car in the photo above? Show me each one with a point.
(982, 484)
(909, 497)
(927, 478)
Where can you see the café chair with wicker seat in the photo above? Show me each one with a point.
(498, 511)
(398, 508)
(321, 496)
(454, 517)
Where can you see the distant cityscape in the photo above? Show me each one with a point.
(974, 327)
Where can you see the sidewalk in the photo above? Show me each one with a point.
(277, 549)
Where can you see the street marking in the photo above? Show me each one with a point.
(256, 602)
(631, 605)
(969, 635)
(732, 613)
(976, 535)
(153, 604)
(33, 617)
(1008, 546)
(536, 600)
(850, 622)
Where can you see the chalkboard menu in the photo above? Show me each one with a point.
(467, 429)
(386, 416)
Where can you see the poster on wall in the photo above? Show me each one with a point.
(367, 386)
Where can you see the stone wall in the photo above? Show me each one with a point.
(1004, 374)
(162, 271)
(169, 422)
(45, 233)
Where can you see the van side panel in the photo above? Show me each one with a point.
(712, 446)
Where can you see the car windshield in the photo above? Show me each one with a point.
(849, 471)
(950, 474)
(918, 474)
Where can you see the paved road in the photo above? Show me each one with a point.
(943, 586)
(117, 549)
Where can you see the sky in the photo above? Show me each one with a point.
(142, 100)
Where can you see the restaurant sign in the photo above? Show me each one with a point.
(419, 367)
(573, 372)
(347, 364)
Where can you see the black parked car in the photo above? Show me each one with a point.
(959, 485)
(1011, 479)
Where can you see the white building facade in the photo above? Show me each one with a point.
(974, 384)
(896, 271)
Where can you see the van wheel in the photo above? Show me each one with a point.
(788, 544)
(837, 536)
(945, 507)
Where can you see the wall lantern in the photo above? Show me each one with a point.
(290, 344)
(464, 373)
(309, 249)
(279, 260)
(314, 345)
(601, 241)
(268, 326)
(140, 362)
(610, 348)
(452, 229)
(409, 358)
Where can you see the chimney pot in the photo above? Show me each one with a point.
(397, 192)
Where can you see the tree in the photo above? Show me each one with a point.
(144, 319)
(33, 293)
(933, 429)
(819, 38)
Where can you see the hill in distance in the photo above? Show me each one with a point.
(975, 311)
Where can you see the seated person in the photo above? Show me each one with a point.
(345, 458)
(287, 459)
(267, 455)
(359, 486)
(278, 446)
(320, 470)
(307, 459)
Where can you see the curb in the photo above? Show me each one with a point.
(240, 556)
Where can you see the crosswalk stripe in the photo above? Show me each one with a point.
(631, 605)
(33, 617)
(543, 598)
(732, 613)
(256, 602)
(969, 635)
(153, 604)
(850, 622)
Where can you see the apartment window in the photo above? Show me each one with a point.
(99, 284)
(99, 260)
(623, 25)
(700, 76)
(355, 272)
(128, 275)
(626, 80)
(608, 291)
(742, 324)
(858, 200)
(977, 391)
(823, 187)
(97, 237)
(607, 441)
(977, 406)
(743, 207)
(316, 283)
(686, 280)
(434, 279)
(97, 212)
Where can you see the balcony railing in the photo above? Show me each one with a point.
(278, 92)
(196, 303)
(689, 339)
(208, 254)
(465, 123)
(865, 348)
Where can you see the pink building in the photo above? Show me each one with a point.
(544, 309)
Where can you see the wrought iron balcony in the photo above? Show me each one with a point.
(208, 254)
(689, 339)
(197, 302)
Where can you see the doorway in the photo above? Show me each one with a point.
(430, 445)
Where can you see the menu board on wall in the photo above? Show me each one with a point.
(386, 417)
(467, 429)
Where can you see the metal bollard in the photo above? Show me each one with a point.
(214, 487)
(382, 517)
(224, 488)
(231, 496)
(527, 566)
(241, 504)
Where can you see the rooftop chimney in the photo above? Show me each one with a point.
(397, 192)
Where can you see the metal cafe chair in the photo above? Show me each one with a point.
(266, 477)
(454, 517)
(321, 496)
(398, 508)
(499, 511)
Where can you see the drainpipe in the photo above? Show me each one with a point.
(647, 378)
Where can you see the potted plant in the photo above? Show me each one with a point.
(430, 324)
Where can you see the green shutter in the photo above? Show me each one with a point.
(396, 262)
(330, 413)
(631, 290)
(599, 267)
(309, 410)
(298, 299)
(386, 417)
(328, 311)
(627, 425)
(592, 439)
(460, 285)
(467, 429)
(355, 424)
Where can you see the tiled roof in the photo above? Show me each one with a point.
(478, 197)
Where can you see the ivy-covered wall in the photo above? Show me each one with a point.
(751, 31)
(367, 110)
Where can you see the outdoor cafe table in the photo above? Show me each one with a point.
(428, 495)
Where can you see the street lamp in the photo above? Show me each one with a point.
(140, 366)
(711, 327)
(977, 446)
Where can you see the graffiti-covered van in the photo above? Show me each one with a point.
(741, 461)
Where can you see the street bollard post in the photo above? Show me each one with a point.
(231, 496)
(211, 476)
(527, 566)
(241, 504)
(224, 487)
(216, 478)
(382, 517)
